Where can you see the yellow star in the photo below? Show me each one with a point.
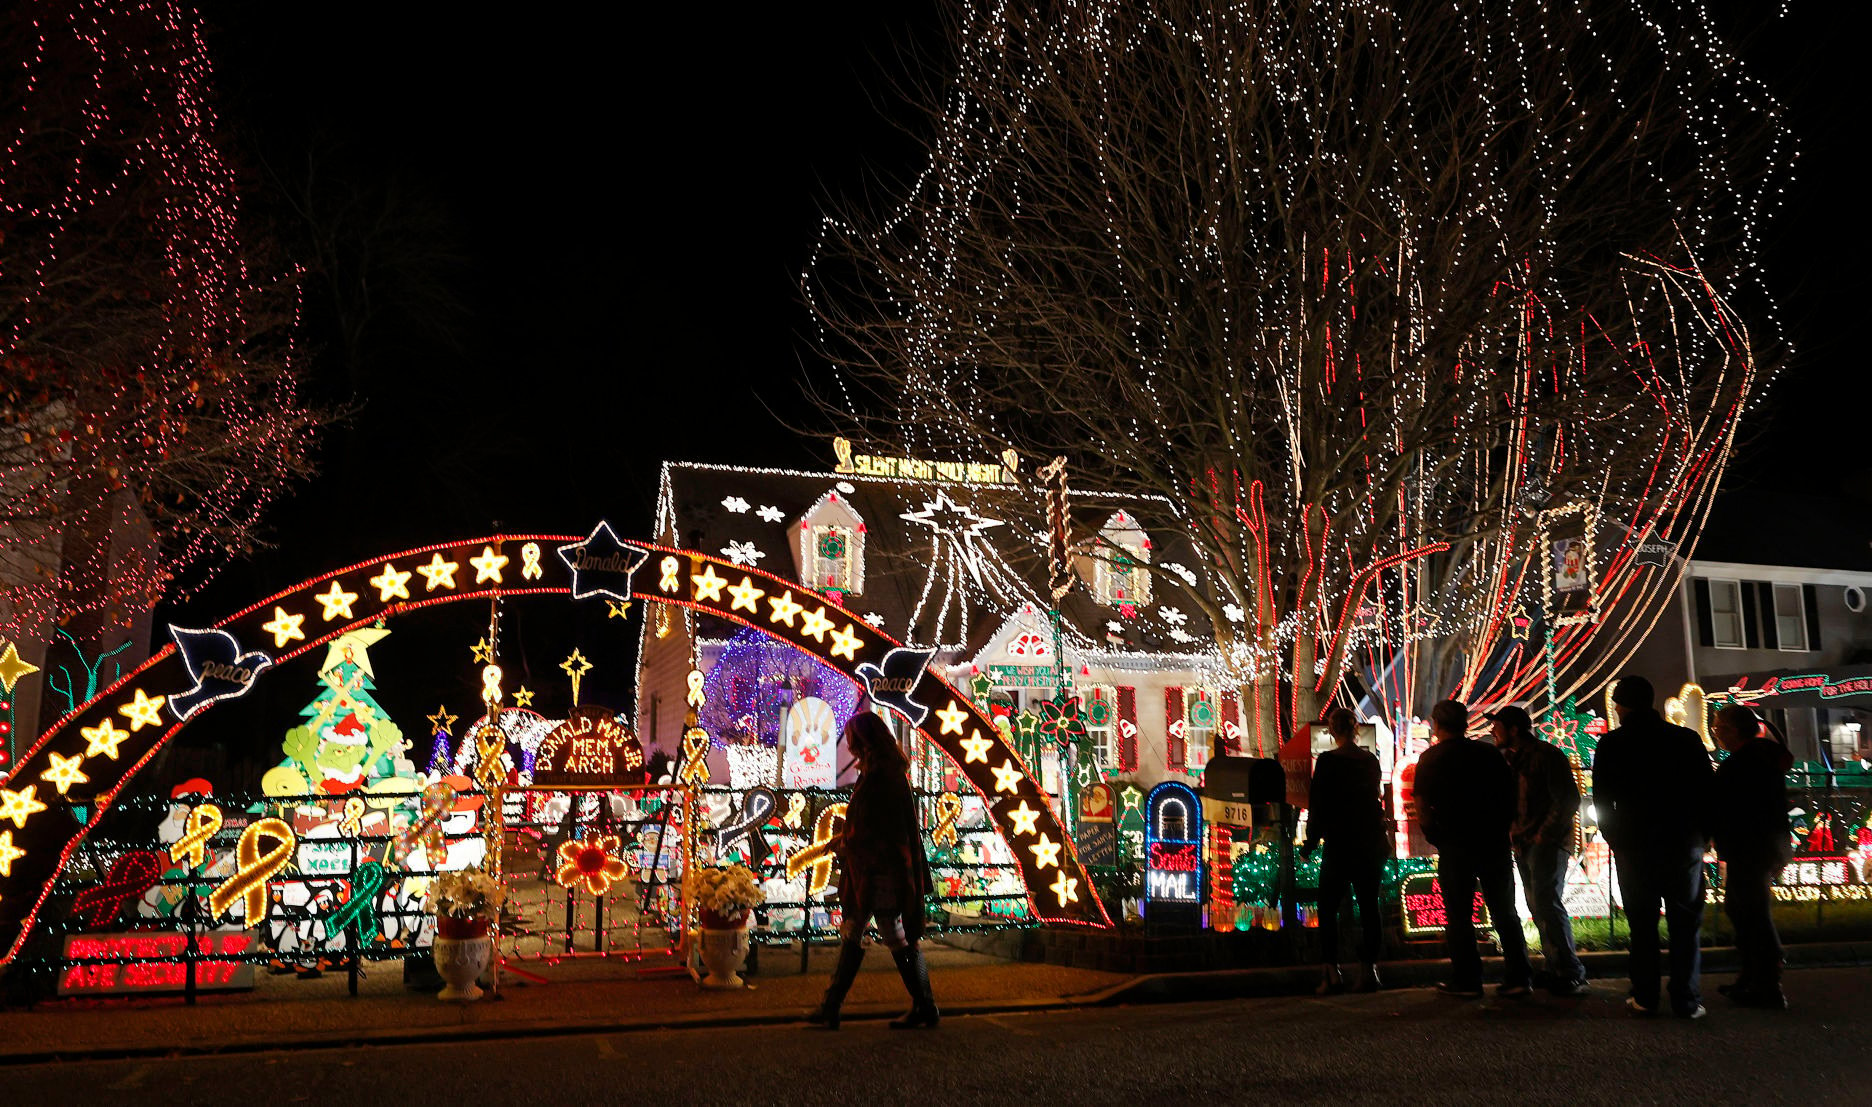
(103, 739)
(617, 610)
(19, 806)
(390, 584)
(64, 771)
(143, 711)
(1026, 820)
(576, 665)
(744, 596)
(488, 566)
(438, 573)
(1007, 778)
(1065, 889)
(815, 625)
(1046, 852)
(708, 586)
(952, 718)
(483, 651)
(8, 854)
(845, 643)
(524, 697)
(975, 748)
(784, 609)
(284, 628)
(441, 720)
(13, 667)
(337, 602)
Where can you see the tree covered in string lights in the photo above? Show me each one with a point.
(146, 375)
(1359, 288)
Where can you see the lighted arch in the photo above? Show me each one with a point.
(111, 737)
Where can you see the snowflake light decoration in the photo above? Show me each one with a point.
(742, 553)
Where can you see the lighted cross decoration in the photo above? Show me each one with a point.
(575, 666)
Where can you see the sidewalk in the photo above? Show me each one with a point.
(591, 996)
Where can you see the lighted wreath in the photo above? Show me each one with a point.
(591, 861)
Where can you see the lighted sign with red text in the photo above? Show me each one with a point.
(1422, 897)
(159, 966)
(1173, 843)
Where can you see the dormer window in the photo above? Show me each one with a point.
(830, 548)
(1121, 564)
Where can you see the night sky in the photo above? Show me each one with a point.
(612, 210)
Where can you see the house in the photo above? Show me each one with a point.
(1777, 621)
(931, 554)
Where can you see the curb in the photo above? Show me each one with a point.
(1155, 988)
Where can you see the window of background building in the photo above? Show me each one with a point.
(1200, 718)
(1790, 617)
(1725, 613)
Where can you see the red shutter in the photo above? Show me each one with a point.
(1231, 740)
(1174, 757)
(1127, 730)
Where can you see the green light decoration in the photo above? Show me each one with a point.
(1565, 727)
(91, 666)
(366, 885)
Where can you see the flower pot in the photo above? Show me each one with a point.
(723, 947)
(463, 950)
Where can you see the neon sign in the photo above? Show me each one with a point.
(161, 964)
(1173, 867)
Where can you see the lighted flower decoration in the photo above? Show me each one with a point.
(1063, 722)
(592, 861)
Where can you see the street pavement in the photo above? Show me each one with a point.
(1399, 1046)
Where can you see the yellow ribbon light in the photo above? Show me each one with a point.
(254, 868)
(204, 822)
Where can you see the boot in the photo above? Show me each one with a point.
(1331, 982)
(923, 1014)
(1368, 978)
(851, 955)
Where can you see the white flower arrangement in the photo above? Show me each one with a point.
(730, 891)
(468, 893)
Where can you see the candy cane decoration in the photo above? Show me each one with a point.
(204, 822)
(254, 869)
(426, 830)
(130, 876)
(948, 809)
(819, 857)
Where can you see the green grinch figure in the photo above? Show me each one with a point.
(348, 743)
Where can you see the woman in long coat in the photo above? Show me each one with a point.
(883, 874)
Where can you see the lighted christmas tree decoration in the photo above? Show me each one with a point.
(348, 742)
(1357, 381)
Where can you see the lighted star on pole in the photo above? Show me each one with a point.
(615, 609)
(575, 666)
(336, 602)
(483, 651)
(64, 772)
(524, 697)
(438, 573)
(13, 667)
(488, 565)
(442, 720)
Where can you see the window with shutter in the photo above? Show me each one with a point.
(1790, 618)
(1173, 729)
(1101, 715)
(1127, 729)
(1199, 727)
(1725, 609)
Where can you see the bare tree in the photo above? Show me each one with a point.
(1359, 288)
(149, 407)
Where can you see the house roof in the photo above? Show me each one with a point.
(946, 563)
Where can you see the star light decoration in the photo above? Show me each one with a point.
(13, 667)
(285, 628)
(391, 584)
(602, 565)
(575, 666)
(488, 565)
(336, 602)
(65, 772)
(19, 804)
(438, 573)
(9, 853)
